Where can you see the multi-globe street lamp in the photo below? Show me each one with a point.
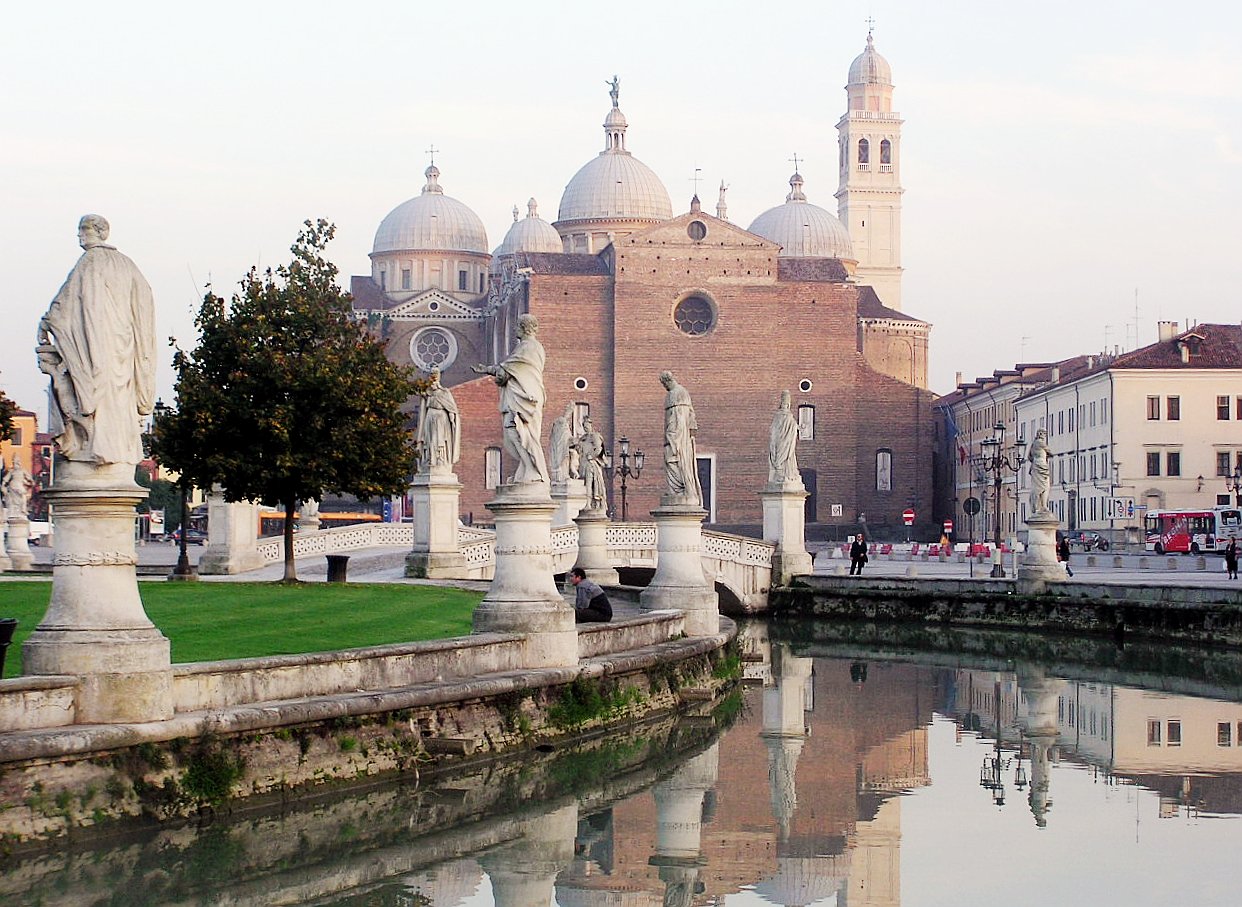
(626, 471)
(1234, 484)
(994, 460)
(183, 570)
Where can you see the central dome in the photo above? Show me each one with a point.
(870, 67)
(431, 221)
(803, 230)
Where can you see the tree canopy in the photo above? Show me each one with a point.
(8, 409)
(286, 396)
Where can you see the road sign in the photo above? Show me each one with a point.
(948, 526)
(971, 506)
(1118, 508)
(908, 516)
(838, 510)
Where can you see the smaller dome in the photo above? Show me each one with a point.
(870, 68)
(803, 230)
(531, 234)
(431, 221)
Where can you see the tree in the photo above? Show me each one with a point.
(8, 409)
(286, 396)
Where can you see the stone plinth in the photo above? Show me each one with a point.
(679, 581)
(436, 553)
(95, 626)
(523, 873)
(523, 597)
(784, 522)
(570, 498)
(593, 547)
(5, 563)
(232, 535)
(17, 543)
(1039, 564)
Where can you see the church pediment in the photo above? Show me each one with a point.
(697, 229)
(433, 305)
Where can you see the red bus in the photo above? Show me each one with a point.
(1191, 531)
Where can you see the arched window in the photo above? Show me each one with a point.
(886, 152)
(883, 470)
(864, 151)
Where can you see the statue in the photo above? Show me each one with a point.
(17, 485)
(782, 445)
(439, 428)
(520, 378)
(590, 446)
(614, 90)
(97, 344)
(680, 465)
(1041, 473)
(562, 459)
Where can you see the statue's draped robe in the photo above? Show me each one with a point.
(782, 448)
(680, 467)
(591, 450)
(521, 403)
(103, 321)
(439, 429)
(559, 449)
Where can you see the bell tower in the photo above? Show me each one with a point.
(869, 161)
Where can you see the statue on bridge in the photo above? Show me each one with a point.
(681, 471)
(590, 447)
(783, 445)
(520, 378)
(439, 428)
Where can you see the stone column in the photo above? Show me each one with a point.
(1039, 564)
(593, 547)
(679, 825)
(232, 533)
(437, 552)
(784, 731)
(523, 873)
(17, 543)
(784, 522)
(570, 498)
(523, 597)
(679, 582)
(95, 626)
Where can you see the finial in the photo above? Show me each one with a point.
(722, 209)
(870, 20)
(795, 161)
(515, 213)
(432, 151)
(695, 179)
(532, 207)
(433, 180)
(795, 189)
(614, 90)
(695, 205)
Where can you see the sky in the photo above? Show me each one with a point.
(1072, 172)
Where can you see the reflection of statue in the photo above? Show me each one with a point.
(561, 453)
(680, 465)
(782, 445)
(97, 343)
(520, 378)
(590, 447)
(17, 485)
(1041, 472)
(439, 428)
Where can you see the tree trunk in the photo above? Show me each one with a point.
(291, 573)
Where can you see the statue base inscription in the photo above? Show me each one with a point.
(679, 582)
(436, 553)
(593, 547)
(1039, 564)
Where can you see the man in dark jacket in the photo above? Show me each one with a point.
(858, 555)
(591, 605)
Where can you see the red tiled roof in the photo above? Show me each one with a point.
(1209, 346)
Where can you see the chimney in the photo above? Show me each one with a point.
(1056, 374)
(958, 380)
(1166, 330)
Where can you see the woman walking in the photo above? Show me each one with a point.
(1231, 557)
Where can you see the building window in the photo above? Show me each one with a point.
(433, 348)
(1153, 732)
(1071, 420)
(1174, 463)
(1222, 408)
(462, 278)
(1153, 408)
(1092, 411)
(883, 470)
(1222, 463)
(696, 230)
(1153, 463)
(1222, 500)
(383, 280)
(491, 467)
(1174, 407)
(806, 422)
(1104, 411)
(864, 151)
(406, 278)
(1061, 422)
(1175, 733)
(694, 315)
(1238, 409)
(1224, 734)
(886, 151)
(581, 383)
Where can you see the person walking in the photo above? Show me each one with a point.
(1231, 557)
(858, 555)
(1063, 554)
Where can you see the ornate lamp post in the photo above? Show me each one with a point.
(1234, 484)
(626, 471)
(995, 461)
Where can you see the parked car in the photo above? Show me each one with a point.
(192, 536)
(1087, 541)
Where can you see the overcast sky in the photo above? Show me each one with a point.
(1057, 158)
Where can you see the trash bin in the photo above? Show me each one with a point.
(338, 564)
(8, 626)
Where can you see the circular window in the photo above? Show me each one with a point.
(580, 383)
(433, 306)
(804, 385)
(433, 348)
(696, 229)
(695, 315)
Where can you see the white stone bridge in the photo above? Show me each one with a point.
(741, 567)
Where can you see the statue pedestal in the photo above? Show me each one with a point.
(95, 626)
(436, 553)
(523, 597)
(17, 543)
(679, 582)
(593, 547)
(784, 522)
(232, 531)
(523, 873)
(570, 498)
(5, 563)
(1039, 564)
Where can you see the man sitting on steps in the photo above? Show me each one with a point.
(591, 605)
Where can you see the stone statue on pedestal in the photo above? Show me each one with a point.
(97, 344)
(520, 378)
(439, 428)
(782, 445)
(17, 485)
(590, 446)
(562, 456)
(680, 465)
(1041, 473)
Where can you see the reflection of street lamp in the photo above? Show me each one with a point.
(183, 570)
(991, 774)
(626, 471)
(995, 461)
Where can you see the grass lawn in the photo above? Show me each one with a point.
(209, 621)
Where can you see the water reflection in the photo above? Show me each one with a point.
(861, 772)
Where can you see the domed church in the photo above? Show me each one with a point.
(625, 288)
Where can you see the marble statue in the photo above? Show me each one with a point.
(783, 444)
(439, 428)
(17, 485)
(520, 378)
(1041, 473)
(562, 456)
(310, 509)
(614, 90)
(680, 465)
(590, 445)
(97, 344)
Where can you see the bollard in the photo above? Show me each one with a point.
(8, 626)
(338, 565)
(1143, 565)
(1201, 563)
(839, 570)
(912, 570)
(1116, 560)
(1171, 564)
(1090, 560)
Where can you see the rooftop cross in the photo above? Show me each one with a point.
(870, 20)
(432, 151)
(695, 179)
(795, 161)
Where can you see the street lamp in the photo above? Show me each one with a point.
(183, 570)
(1234, 483)
(996, 461)
(626, 471)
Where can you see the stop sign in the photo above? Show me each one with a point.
(908, 516)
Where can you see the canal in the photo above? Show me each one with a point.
(856, 765)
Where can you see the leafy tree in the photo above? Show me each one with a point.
(165, 495)
(8, 409)
(286, 396)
